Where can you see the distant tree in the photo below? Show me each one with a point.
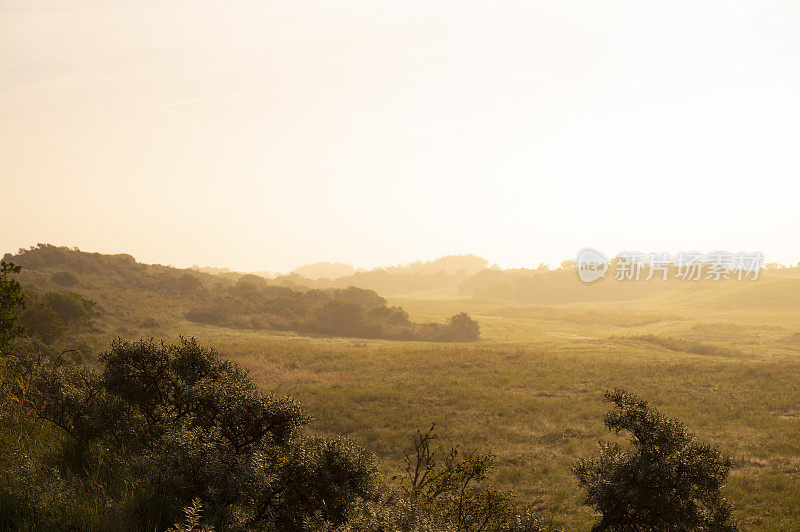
(65, 278)
(12, 298)
(251, 282)
(369, 299)
(337, 312)
(462, 328)
(390, 315)
(665, 480)
(317, 297)
(327, 270)
(343, 318)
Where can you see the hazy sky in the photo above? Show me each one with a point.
(263, 134)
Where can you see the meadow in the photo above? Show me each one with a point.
(723, 359)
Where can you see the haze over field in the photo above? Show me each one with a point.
(265, 135)
(401, 265)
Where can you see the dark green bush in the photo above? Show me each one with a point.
(160, 425)
(12, 298)
(462, 328)
(665, 480)
(354, 312)
(70, 308)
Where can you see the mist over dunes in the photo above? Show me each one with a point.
(410, 308)
(505, 361)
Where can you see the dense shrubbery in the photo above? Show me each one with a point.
(72, 268)
(58, 322)
(12, 298)
(47, 315)
(159, 425)
(666, 480)
(252, 303)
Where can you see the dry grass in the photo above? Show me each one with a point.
(723, 360)
(539, 408)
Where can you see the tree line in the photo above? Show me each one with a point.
(354, 312)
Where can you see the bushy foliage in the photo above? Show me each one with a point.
(12, 298)
(463, 328)
(665, 480)
(57, 321)
(69, 307)
(354, 312)
(160, 425)
(112, 273)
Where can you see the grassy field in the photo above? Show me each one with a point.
(723, 359)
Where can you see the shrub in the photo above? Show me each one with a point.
(70, 308)
(339, 317)
(58, 319)
(42, 322)
(336, 312)
(161, 425)
(462, 328)
(11, 299)
(666, 480)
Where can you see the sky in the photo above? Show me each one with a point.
(262, 134)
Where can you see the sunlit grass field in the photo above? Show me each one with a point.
(723, 359)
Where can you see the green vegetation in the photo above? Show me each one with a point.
(158, 425)
(353, 312)
(524, 401)
(11, 298)
(146, 296)
(667, 480)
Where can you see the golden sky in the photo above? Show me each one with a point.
(261, 135)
